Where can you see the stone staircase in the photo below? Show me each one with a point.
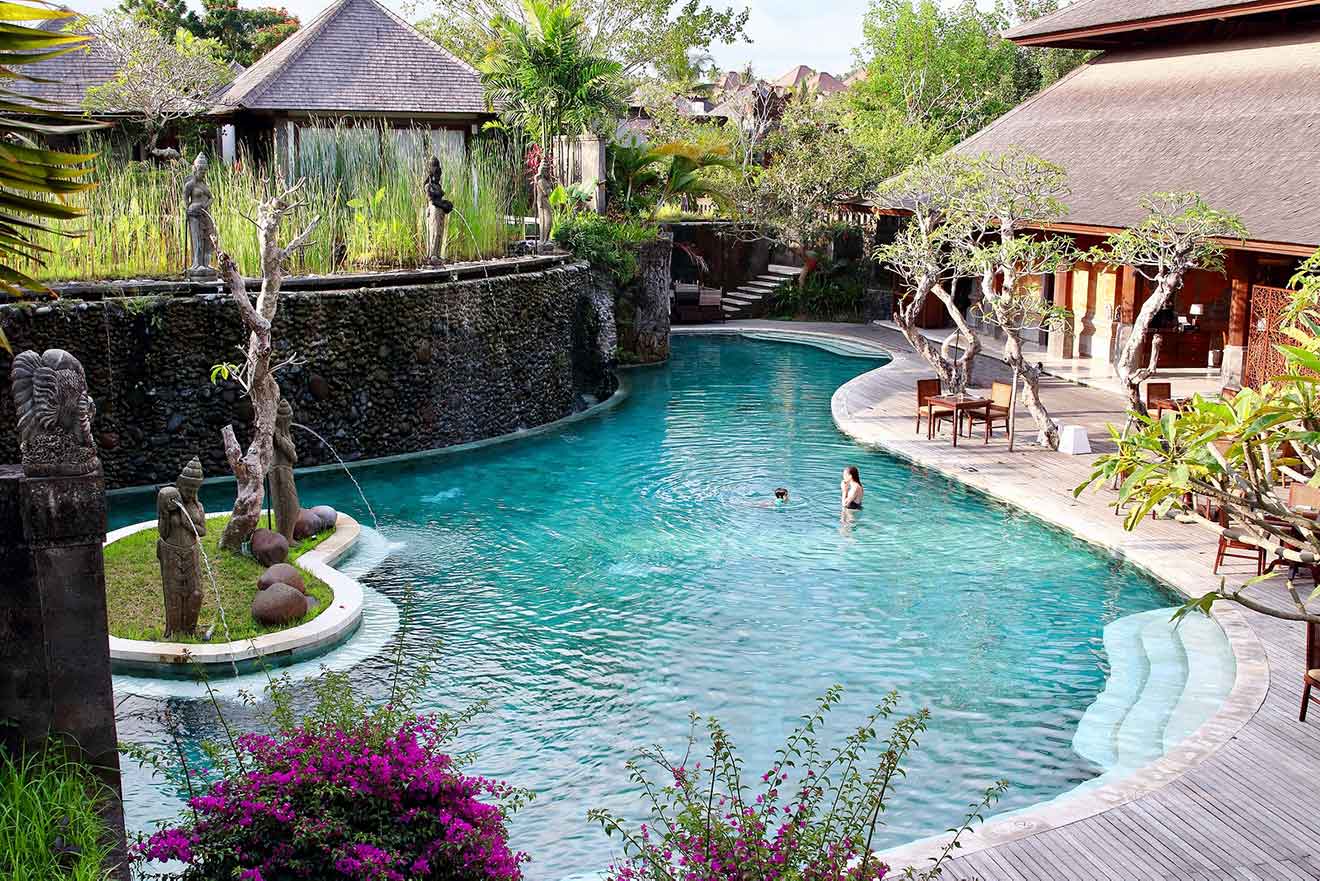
(750, 300)
(1164, 682)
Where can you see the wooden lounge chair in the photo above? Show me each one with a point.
(1311, 678)
(1001, 397)
(929, 388)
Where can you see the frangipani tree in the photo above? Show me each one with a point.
(1006, 195)
(256, 374)
(922, 257)
(1238, 456)
(1181, 232)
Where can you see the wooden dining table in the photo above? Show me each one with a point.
(959, 404)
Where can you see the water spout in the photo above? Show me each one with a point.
(342, 464)
(210, 574)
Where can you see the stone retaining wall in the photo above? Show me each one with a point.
(382, 370)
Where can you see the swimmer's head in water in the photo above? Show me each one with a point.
(781, 495)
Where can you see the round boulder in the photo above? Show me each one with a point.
(282, 573)
(278, 604)
(269, 547)
(327, 515)
(308, 525)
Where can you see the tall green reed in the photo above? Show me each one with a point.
(49, 826)
(365, 182)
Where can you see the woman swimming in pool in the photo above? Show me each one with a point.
(851, 489)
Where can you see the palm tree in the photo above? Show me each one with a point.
(33, 180)
(542, 78)
(686, 175)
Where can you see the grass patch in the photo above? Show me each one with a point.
(136, 602)
(49, 828)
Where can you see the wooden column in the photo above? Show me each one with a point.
(1061, 338)
(1240, 266)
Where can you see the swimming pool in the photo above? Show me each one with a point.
(598, 582)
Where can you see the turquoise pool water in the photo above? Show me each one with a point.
(598, 582)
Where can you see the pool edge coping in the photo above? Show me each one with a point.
(337, 622)
(1250, 685)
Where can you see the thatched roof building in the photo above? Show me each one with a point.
(1220, 98)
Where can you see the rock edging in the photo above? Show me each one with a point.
(333, 625)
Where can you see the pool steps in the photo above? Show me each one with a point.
(1139, 716)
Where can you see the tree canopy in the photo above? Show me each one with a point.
(244, 34)
(936, 73)
(668, 35)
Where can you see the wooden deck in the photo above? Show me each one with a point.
(1240, 799)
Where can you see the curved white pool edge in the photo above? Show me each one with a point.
(332, 626)
(1087, 800)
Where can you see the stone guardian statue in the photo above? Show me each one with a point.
(197, 198)
(54, 414)
(284, 494)
(545, 218)
(181, 522)
(438, 209)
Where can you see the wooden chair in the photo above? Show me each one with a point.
(1311, 678)
(1001, 397)
(1232, 540)
(1159, 397)
(926, 389)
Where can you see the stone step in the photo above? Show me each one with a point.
(781, 271)
(762, 282)
(736, 301)
(749, 294)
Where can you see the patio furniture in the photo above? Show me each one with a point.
(1311, 678)
(1001, 397)
(1237, 540)
(1159, 397)
(696, 304)
(927, 389)
(958, 405)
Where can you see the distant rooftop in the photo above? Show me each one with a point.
(358, 57)
(1086, 21)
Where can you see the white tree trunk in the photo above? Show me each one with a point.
(1166, 286)
(251, 466)
(954, 373)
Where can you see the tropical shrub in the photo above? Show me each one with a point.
(836, 290)
(362, 802)
(49, 826)
(812, 817)
(349, 790)
(604, 242)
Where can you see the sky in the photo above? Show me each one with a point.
(785, 33)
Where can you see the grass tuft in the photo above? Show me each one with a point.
(136, 602)
(49, 827)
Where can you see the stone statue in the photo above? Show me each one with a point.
(437, 214)
(197, 196)
(181, 522)
(284, 494)
(545, 219)
(54, 414)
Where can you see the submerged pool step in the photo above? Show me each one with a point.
(1166, 679)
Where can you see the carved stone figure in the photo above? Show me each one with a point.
(437, 214)
(544, 216)
(181, 522)
(197, 198)
(284, 494)
(54, 414)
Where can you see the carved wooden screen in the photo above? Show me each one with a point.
(1263, 360)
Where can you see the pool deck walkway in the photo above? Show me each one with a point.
(1240, 798)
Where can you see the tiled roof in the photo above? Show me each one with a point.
(71, 75)
(795, 76)
(1083, 14)
(1237, 121)
(358, 56)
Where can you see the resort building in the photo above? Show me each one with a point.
(1217, 97)
(357, 60)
